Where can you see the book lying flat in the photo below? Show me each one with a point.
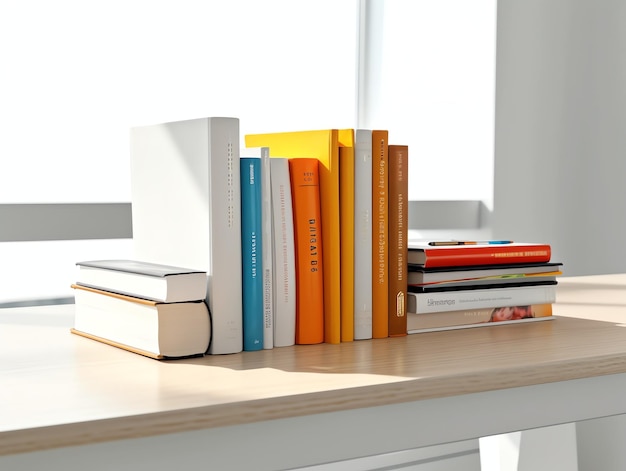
(457, 300)
(482, 317)
(162, 283)
(484, 283)
(156, 330)
(422, 275)
(424, 254)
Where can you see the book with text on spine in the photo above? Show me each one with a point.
(263, 153)
(252, 253)
(380, 233)
(309, 251)
(284, 281)
(346, 202)
(423, 253)
(186, 211)
(461, 299)
(480, 317)
(398, 234)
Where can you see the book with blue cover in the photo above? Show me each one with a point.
(252, 253)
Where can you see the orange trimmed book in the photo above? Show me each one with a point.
(346, 211)
(452, 253)
(380, 231)
(322, 145)
(398, 234)
(304, 175)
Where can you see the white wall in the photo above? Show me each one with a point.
(560, 140)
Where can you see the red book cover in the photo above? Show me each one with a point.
(305, 195)
(466, 253)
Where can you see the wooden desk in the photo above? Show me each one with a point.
(304, 405)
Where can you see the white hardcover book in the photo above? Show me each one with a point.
(266, 219)
(423, 303)
(363, 234)
(284, 255)
(185, 184)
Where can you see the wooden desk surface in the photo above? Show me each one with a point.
(58, 389)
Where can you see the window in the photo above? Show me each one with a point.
(77, 75)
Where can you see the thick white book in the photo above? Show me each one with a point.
(157, 330)
(363, 234)
(453, 300)
(284, 255)
(162, 283)
(186, 211)
(266, 221)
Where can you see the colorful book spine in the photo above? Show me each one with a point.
(398, 235)
(380, 242)
(284, 282)
(252, 253)
(346, 201)
(363, 234)
(199, 224)
(305, 190)
(465, 318)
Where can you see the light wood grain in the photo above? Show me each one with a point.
(58, 389)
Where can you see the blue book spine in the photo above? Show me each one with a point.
(252, 253)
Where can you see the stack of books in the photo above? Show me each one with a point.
(154, 310)
(460, 284)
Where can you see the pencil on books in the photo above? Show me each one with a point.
(469, 242)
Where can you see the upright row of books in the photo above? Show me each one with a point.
(302, 236)
(296, 232)
(458, 284)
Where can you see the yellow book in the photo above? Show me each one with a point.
(346, 213)
(323, 145)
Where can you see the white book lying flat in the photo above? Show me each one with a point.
(185, 184)
(162, 283)
(422, 303)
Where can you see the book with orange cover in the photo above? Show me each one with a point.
(380, 228)
(398, 234)
(305, 196)
(467, 253)
(324, 146)
(346, 203)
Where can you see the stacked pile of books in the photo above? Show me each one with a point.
(460, 284)
(154, 310)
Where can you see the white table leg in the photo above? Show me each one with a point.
(550, 448)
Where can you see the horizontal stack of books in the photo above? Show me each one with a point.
(460, 284)
(154, 310)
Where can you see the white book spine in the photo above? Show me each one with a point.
(363, 234)
(268, 262)
(284, 255)
(423, 303)
(186, 202)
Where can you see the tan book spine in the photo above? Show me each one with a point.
(398, 234)
(380, 228)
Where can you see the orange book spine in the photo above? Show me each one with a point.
(305, 194)
(346, 198)
(380, 228)
(398, 234)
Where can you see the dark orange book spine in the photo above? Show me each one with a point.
(398, 235)
(380, 228)
(305, 194)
